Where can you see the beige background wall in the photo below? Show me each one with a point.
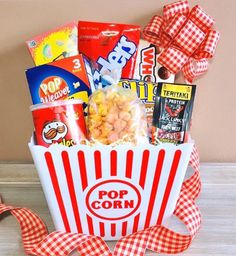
(214, 124)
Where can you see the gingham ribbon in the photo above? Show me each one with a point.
(186, 36)
(37, 241)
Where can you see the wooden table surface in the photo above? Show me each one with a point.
(19, 186)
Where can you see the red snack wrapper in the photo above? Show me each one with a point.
(110, 48)
(60, 122)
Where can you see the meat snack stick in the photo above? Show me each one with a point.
(172, 112)
(111, 49)
(115, 115)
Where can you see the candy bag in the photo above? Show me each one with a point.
(116, 116)
(172, 112)
(111, 49)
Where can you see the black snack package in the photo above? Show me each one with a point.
(172, 112)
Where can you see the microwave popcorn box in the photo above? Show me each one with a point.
(56, 44)
(110, 191)
(68, 78)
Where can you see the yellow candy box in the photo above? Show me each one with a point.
(54, 45)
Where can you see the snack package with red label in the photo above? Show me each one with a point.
(60, 122)
(111, 49)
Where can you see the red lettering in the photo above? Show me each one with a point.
(96, 205)
(113, 194)
(129, 204)
(123, 193)
(101, 194)
(147, 61)
(148, 56)
(106, 204)
(146, 69)
(117, 204)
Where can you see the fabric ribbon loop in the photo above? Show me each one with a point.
(184, 36)
(175, 25)
(152, 31)
(170, 10)
(208, 47)
(201, 18)
(194, 68)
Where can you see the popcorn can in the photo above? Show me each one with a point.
(110, 191)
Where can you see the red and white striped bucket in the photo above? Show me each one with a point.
(111, 192)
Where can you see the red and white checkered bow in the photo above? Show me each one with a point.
(160, 239)
(187, 37)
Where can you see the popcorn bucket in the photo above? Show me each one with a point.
(110, 191)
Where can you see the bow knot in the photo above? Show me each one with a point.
(186, 36)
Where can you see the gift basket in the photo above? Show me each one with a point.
(111, 143)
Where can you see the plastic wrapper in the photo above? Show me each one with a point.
(172, 113)
(116, 116)
(111, 50)
(146, 92)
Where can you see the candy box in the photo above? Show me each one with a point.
(110, 191)
(147, 67)
(58, 80)
(54, 45)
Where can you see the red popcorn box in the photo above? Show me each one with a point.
(111, 191)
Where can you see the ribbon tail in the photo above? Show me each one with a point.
(32, 227)
(37, 241)
(61, 243)
(193, 185)
(194, 68)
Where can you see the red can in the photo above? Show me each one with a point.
(59, 122)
